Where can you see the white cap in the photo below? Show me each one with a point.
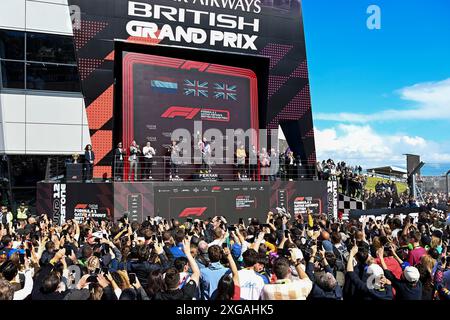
(411, 274)
(375, 270)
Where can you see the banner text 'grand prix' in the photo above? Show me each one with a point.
(221, 25)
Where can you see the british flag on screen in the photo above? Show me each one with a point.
(225, 91)
(196, 88)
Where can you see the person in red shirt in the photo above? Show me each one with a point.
(391, 259)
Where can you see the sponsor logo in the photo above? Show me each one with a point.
(185, 112)
(200, 66)
(195, 211)
(90, 211)
(59, 203)
(332, 191)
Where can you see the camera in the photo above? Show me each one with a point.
(92, 279)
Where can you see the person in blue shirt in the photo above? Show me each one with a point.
(210, 276)
(176, 247)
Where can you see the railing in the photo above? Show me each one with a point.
(164, 169)
(56, 168)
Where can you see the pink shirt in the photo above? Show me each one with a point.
(415, 255)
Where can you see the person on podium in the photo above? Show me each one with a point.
(119, 155)
(89, 158)
(134, 160)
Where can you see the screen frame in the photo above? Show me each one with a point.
(259, 65)
(132, 58)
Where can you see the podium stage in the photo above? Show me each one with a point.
(181, 200)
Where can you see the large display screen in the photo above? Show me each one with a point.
(161, 94)
(232, 200)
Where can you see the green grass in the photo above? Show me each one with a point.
(372, 181)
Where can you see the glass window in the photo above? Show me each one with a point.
(12, 74)
(12, 45)
(41, 76)
(50, 48)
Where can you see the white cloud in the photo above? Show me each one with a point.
(361, 144)
(430, 101)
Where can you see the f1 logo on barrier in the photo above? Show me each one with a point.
(185, 112)
(196, 211)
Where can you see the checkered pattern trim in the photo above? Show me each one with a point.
(346, 204)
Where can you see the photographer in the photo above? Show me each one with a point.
(325, 285)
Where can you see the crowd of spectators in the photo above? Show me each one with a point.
(350, 178)
(281, 258)
(390, 198)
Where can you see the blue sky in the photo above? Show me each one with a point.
(379, 93)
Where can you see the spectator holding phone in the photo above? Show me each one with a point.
(229, 287)
(172, 279)
(284, 287)
(408, 287)
(325, 285)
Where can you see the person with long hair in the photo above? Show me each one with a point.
(89, 158)
(425, 268)
(155, 284)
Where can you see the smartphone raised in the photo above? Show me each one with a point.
(132, 277)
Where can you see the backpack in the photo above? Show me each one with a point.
(341, 255)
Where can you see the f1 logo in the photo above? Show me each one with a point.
(196, 211)
(185, 112)
(200, 66)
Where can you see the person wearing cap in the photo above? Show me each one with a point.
(408, 287)
(375, 287)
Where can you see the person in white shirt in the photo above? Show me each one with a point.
(133, 159)
(250, 282)
(28, 286)
(148, 152)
